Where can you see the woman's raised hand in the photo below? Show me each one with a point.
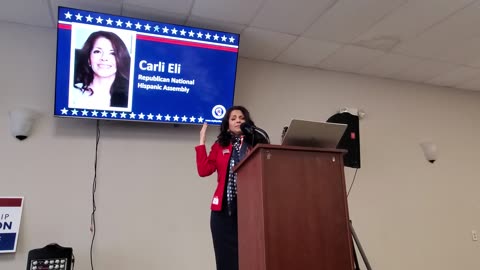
(203, 132)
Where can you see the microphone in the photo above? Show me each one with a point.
(248, 128)
(284, 132)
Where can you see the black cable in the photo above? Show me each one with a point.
(93, 228)
(353, 181)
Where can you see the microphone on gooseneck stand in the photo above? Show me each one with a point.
(284, 131)
(249, 129)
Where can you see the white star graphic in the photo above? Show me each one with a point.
(138, 26)
(192, 119)
(200, 119)
(89, 18)
(156, 28)
(78, 17)
(232, 39)
(132, 115)
(215, 37)
(150, 116)
(184, 118)
(94, 113)
(175, 118)
(199, 35)
(119, 23)
(174, 31)
(165, 30)
(109, 21)
(74, 112)
(104, 114)
(191, 33)
(141, 116)
(147, 27)
(224, 38)
(167, 117)
(114, 114)
(183, 32)
(68, 15)
(99, 20)
(84, 113)
(64, 111)
(207, 36)
(159, 117)
(123, 115)
(128, 24)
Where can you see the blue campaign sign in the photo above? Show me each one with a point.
(120, 68)
(10, 217)
(7, 241)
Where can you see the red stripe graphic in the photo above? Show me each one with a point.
(65, 26)
(10, 202)
(187, 43)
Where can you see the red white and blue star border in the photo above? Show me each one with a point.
(68, 15)
(104, 114)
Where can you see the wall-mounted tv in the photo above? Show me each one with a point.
(120, 68)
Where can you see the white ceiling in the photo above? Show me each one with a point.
(429, 41)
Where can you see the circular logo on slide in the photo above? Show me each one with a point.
(218, 111)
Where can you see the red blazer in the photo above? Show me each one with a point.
(217, 160)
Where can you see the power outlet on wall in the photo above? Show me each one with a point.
(474, 235)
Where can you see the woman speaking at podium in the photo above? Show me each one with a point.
(231, 146)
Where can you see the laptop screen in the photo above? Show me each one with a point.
(313, 134)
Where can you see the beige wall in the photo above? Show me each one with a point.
(152, 208)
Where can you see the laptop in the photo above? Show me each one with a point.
(313, 134)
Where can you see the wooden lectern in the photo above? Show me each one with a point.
(292, 210)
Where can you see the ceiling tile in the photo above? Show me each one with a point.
(474, 60)
(424, 70)
(109, 7)
(37, 12)
(262, 44)
(153, 14)
(455, 39)
(470, 85)
(350, 58)
(273, 14)
(456, 76)
(307, 52)
(177, 6)
(457, 51)
(235, 11)
(389, 64)
(196, 21)
(411, 19)
(348, 19)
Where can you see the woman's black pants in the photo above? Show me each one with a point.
(224, 229)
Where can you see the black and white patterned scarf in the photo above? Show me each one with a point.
(232, 177)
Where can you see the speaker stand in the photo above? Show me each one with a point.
(360, 249)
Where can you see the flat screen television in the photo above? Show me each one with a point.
(120, 68)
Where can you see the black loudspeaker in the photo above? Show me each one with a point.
(350, 140)
(52, 256)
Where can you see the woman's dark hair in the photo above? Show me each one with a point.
(84, 73)
(225, 137)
